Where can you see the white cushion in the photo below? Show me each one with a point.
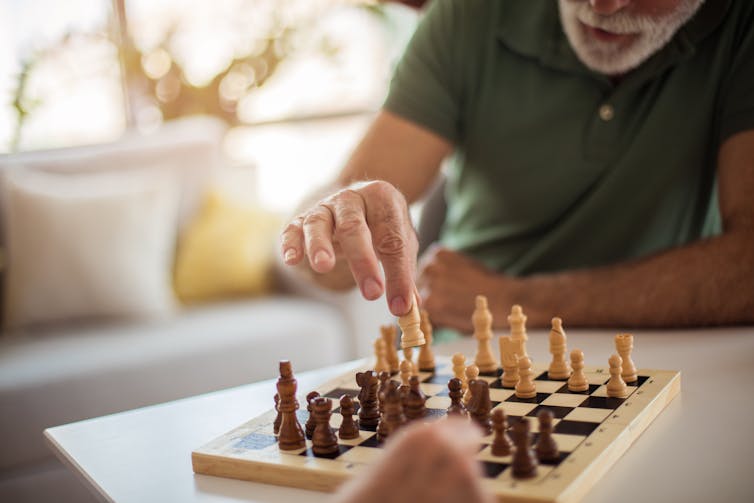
(62, 375)
(89, 245)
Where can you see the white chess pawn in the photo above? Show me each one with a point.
(559, 368)
(426, 357)
(577, 382)
(472, 372)
(525, 387)
(410, 327)
(408, 355)
(405, 372)
(459, 369)
(509, 350)
(380, 353)
(616, 386)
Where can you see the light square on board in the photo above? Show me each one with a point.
(564, 399)
(362, 455)
(567, 443)
(437, 402)
(517, 408)
(548, 386)
(432, 389)
(499, 395)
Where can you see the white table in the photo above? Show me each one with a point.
(701, 448)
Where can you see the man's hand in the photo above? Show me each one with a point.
(363, 224)
(433, 462)
(449, 281)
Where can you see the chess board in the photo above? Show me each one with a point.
(591, 429)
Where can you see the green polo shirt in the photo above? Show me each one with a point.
(556, 167)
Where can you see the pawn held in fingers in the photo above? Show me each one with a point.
(432, 462)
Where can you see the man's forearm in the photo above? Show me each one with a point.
(709, 282)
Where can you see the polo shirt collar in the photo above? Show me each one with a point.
(533, 29)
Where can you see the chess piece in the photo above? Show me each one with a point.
(291, 436)
(310, 423)
(559, 368)
(380, 355)
(278, 416)
(546, 448)
(324, 441)
(472, 372)
(414, 401)
(616, 386)
(384, 378)
(426, 356)
(501, 442)
(624, 344)
(524, 461)
(509, 351)
(480, 405)
(482, 321)
(459, 369)
(389, 333)
(406, 369)
(369, 412)
(408, 356)
(349, 428)
(411, 331)
(457, 408)
(393, 418)
(517, 322)
(525, 387)
(577, 382)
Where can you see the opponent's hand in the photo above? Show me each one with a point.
(425, 462)
(364, 224)
(449, 281)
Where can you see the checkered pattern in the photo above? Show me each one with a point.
(586, 422)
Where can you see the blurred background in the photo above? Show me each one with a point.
(149, 152)
(275, 71)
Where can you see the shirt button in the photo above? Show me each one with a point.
(606, 112)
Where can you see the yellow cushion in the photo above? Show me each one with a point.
(227, 251)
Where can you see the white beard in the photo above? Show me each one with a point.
(610, 58)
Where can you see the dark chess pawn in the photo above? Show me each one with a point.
(393, 418)
(546, 448)
(414, 401)
(457, 408)
(480, 404)
(369, 413)
(278, 417)
(384, 379)
(324, 441)
(524, 461)
(501, 442)
(349, 428)
(310, 424)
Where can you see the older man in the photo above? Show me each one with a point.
(603, 170)
(603, 166)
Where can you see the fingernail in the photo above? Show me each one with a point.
(290, 254)
(398, 305)
(320, 257)
(371, 289)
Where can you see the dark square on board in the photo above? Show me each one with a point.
(338, 392)
(341, 449)
(537, 399)
(557, 411)
(492, 469)
(592, 389)
(602, 402)
(583, 428)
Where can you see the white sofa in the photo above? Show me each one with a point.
(67, 373)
